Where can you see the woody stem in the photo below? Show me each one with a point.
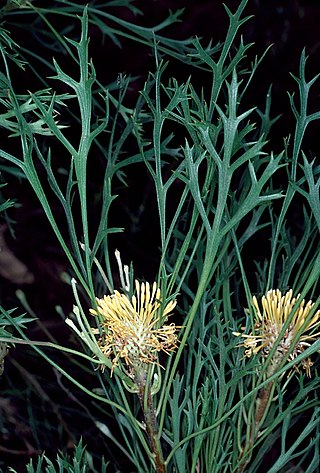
(145, 399)
(261, 407)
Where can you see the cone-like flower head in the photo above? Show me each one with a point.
(269, 323)
(133, 330)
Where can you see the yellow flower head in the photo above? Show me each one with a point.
(132, 329)
(276, 310)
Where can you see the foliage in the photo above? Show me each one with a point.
(80, 463)
(220, 191)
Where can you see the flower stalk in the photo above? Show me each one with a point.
(131, 332)
(261, 409)
(282, 331)
(146, 402)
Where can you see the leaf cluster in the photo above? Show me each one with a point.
(220, 191)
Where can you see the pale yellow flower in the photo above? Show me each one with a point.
(269, 323)
(133, 330)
